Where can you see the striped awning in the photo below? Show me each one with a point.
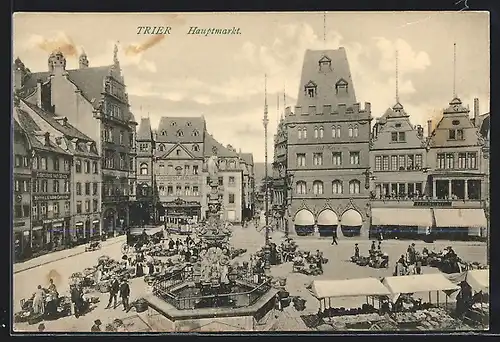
(304, 218)
(418, 217)
(328, 218)
(351, 218)
(465, 218)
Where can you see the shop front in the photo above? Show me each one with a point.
(96, 227)
(459, 224)
(110, 222)
(179, 208)
(22, 243)
(55, 232)
(80, 231)
(38, 237)
(400, 223)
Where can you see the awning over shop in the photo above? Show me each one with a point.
(95, 221)
(351, 218)
(304, 218)
(79, 224)
(348, 288)
(419, 283)
(37, 228)
(401, 217)
(149, 231)
(479, 280)
(57, 225)
(328, 218)
(473, 218)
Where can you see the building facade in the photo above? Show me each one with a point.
(95, 101)
(171, 171)
(280, 189)
(457, 175)
(50, 191)
(399, 176)
(247, 164)
(328, 150)
(21, 194)
(85, 171)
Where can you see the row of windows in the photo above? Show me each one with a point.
(40, 210)
(87, 188)
(21, 211)
(336, 159)
(58, 186)
(42, 163)
(122, 189)
(86, 166)
(21, 161)
(231, 198)
(318, 187)
(110, 162)
(180, 133)
(231, 181)
(109, 136)
(465, 160)
(144, 148)
(398, 136)
(398, 162)
(398, 190)
(353, 131)
(179, 190)
(178, 171)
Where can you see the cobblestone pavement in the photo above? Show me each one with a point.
(338, 267)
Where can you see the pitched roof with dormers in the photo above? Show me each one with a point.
(222, 151)
(326, 79)
(59, 123)
(181, 129)
(247, 158)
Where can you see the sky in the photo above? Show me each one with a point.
(222, 76)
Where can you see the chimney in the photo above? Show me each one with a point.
(429, 127)
(39, 93)
(375, 130)
(18, 79)
(476, 110)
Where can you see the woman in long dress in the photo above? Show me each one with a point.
(39, 301)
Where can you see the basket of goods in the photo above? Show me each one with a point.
(64, 307)
(141, 305)
(103, 286)
(22, 316)
(103, 259)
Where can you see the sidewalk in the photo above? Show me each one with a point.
(59, 255)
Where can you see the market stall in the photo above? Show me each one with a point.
(479, 280)
(326, 290)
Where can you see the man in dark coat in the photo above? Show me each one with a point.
(114, 288)
(356, 250)
(97, 326)
(125, 294)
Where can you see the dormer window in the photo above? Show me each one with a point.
(311, 89)
(195, 148)
(398, 125)
(195, 133)
(189, 123)
(325, 64)
(456, 134)
(341, 86)
(173, 123)
(163, 132)
(161, 148)
(180, 133)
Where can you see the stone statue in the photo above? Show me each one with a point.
(212, 166)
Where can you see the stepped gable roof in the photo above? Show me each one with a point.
(326, 81)
(144, 131)
(248, 158)
(66, 128)
(192, 129)
(222, 151)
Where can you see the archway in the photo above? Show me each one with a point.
(109, 222)
(304, 222)
(351, 223)
(327, 223)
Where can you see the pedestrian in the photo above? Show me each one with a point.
(52, 288)
(41, 327)
(114, 288)
(356, 250)
(97, 326)
(125, 294)
(418, 267)
(334, 239)
(373, 247)
(379, 247)
(39, 301)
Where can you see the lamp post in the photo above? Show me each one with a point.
(288, 199)
(265, 122)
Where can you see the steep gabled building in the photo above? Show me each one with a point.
(328, 149)
(85, 179)
(95, 101)
(50, 193)
(247, 164)
(456, 177)
(280, 189)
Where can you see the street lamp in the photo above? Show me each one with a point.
(288, 199)
(265, 122)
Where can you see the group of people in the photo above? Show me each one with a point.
(411, 263)
(46, 300)
(119, 287)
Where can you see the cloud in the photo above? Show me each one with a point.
(126, 60)
(60, 41)
(135, 49)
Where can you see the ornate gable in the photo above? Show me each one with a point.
(178, 151)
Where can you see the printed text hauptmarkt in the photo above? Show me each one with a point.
(213, 31)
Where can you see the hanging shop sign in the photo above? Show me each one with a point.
(51, 197)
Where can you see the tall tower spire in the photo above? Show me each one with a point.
(397, 76)
(324, 30)
(265, 98)
(277, 108)
(454, 70)
(284, 101)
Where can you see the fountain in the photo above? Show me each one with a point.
(211, 296)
